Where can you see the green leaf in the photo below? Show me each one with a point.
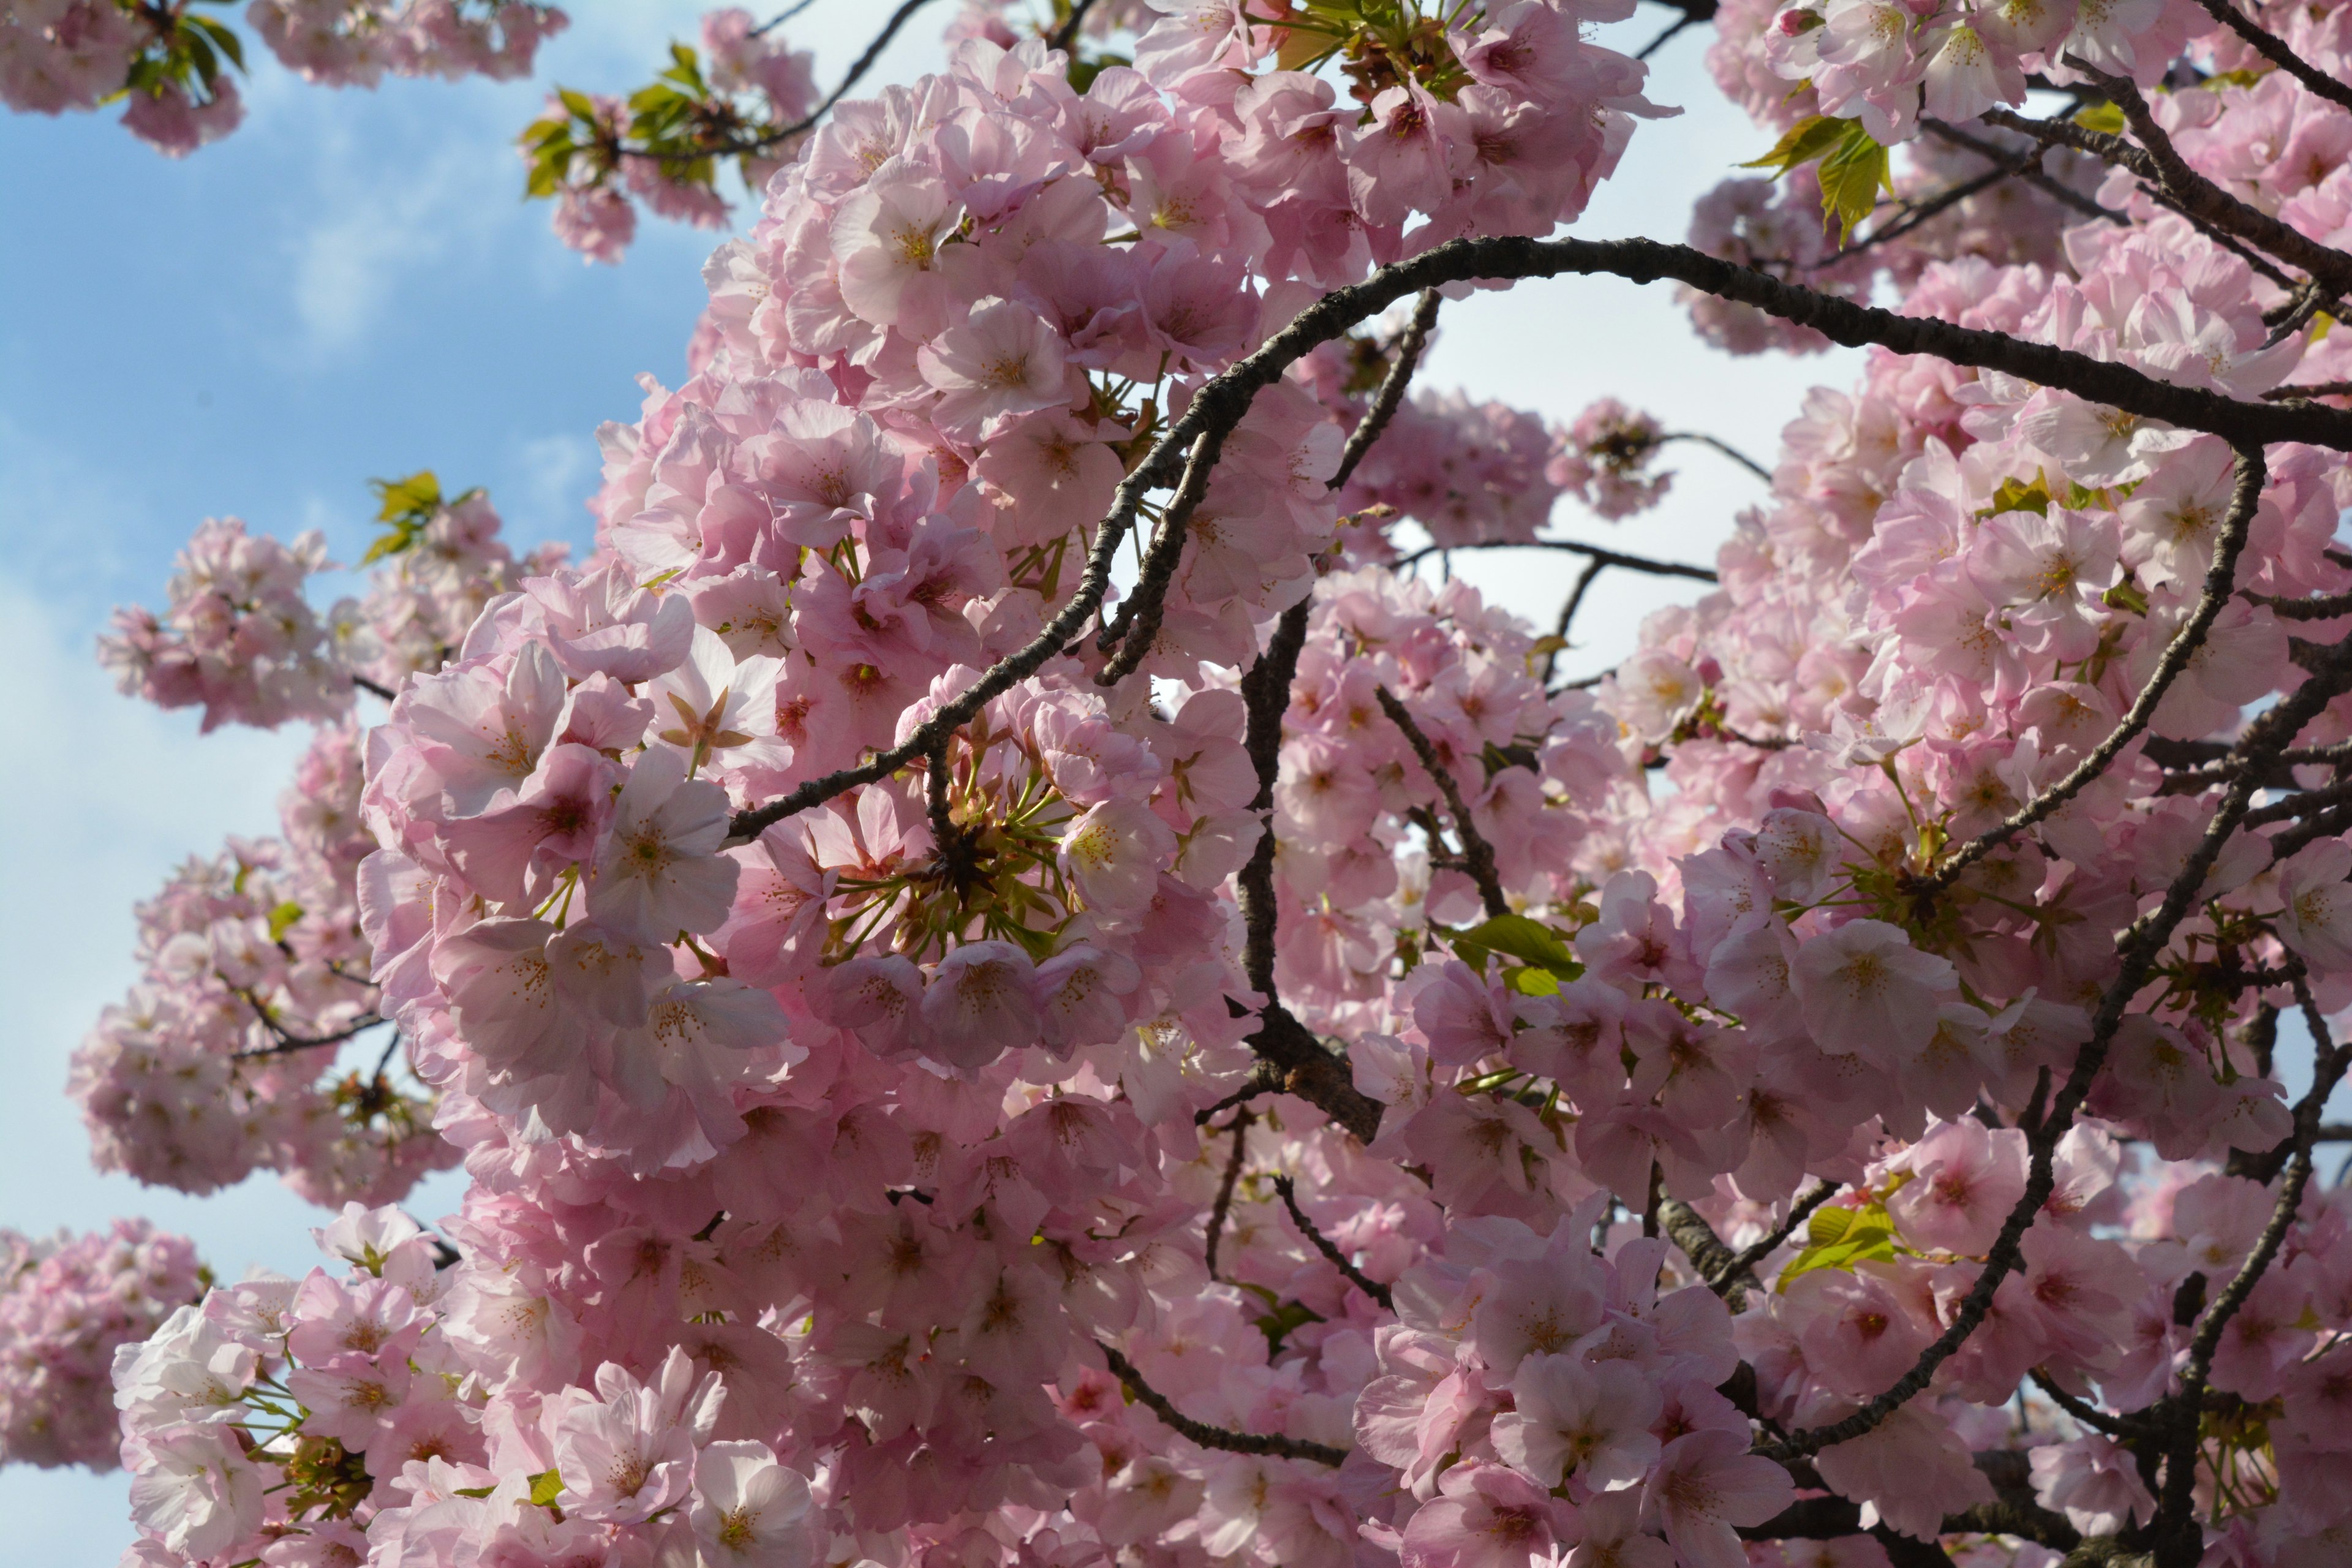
(419, 493)
(1516, 936)
(1852, 176)
(2105, 118)
(476, 1491)
(577, 102)
(224, 38)
(201, 56)
(2020, 495)
(282, 919)
(545, 1488)
(1532, 982)
(1840, 1238)
(1805, 141)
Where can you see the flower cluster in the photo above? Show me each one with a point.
(170, 64)
(746, 95)
(66, 1305)
(257, 967)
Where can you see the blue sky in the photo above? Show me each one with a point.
(352, 286)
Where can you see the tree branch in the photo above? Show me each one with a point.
(1337, 1259)
(2178, 1540)
(1726, 448)
(1568, 615)
(2156, 161)
(1591, 552)
(1391, 395)
(1224, 400)
(1744, 1260)
(1067, 35)
(1239, 1128)
(1477, 855)
(1209, 1437)
(2273, 50)
(2138, 947)
(864, 63)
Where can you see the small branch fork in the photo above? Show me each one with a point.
(289, 1043)
(1731, 1275)
(1337, 1259)
(1477, 855)
(1218, 1438)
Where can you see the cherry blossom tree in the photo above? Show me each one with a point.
(1013, 985)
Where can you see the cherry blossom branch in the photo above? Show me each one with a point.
(2325, 607)
(1209, 1437)
(2156, 161)
(1709, 1253)
(363, 683)
(1595, 552)
(1568, 615)
(1224, 400)
(2274, 50)
(1299, 1063)
(2057, 190)
(1337, 1259)
(1137, 624)
(2221, 582)
(2086, 1413)
(1477, 855)
(2175, 1528)
(2138, 947)
(1757, 1251)
(289, 1042)
(858, 71)
(1391, 395)
(1934, 207)
(1239, 1128)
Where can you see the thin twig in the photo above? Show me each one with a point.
(2154, 160)
(1209, 1437)
(1591, 552)
(1391, 395)
(864, 63)
(1477, 855)
(2221, 582)
(2312, 389)
(1757, 1251)
(1726, 448)
(363, 683)
(1933, 208)
(1063, 37)
(1337, 1259)
(1592, 568)
(1654, 45)
(2274, 50)
(1239, 1128)
(2059, 191)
